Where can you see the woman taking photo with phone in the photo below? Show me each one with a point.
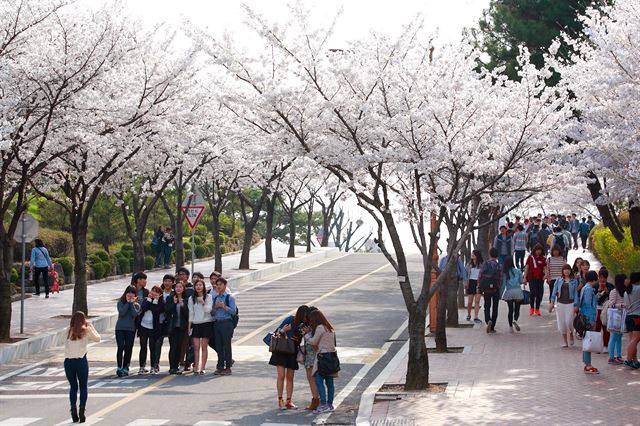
(150, 329)
(200, 324)
(128, 310)
(76, 366)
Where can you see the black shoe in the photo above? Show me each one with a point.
(74, 414)
(46, 297)
(82, 417)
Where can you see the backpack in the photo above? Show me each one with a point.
(559, 240)
(533, 236)
(235, 317)
(490, 275)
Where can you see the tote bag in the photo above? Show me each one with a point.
(615, 320)
(592, 342)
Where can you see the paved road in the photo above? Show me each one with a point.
(357, 292)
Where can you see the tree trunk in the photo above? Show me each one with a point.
(452, 299)
(292, 235)
(634, 224)
(418, 365)
(138, 254)
(441, 320)
(326, 223)
(246, 246)
(5, 285)
(215, 230)
(309, 223)
(607, 212)
(268, 237)
(179, 234)
(79, 234)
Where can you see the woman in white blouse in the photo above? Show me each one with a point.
(200, 324)
(76, 366)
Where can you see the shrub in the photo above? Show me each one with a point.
(199, 239)
(123, 265)
(127, 247)
(149, 262)
(201, 252)
(67, 265)
(108, 269)
(59, 243)
(617, 257)
(102, 255)
(15, 276)
(187, 246)
(93, 259)
(98, 270)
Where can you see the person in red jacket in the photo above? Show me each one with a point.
(534, 276)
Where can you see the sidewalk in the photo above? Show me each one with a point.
(45, 316)
(519, 378)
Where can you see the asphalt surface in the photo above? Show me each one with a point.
(358, 293)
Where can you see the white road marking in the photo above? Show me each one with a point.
(362, 373)
(19, 421)
(89, 422)
(278, 424)
(212, 423)
(61, 395)
(148, 422)
(20, 370)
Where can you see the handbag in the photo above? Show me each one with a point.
(525, 297)
(616, 320)
(328, 363)
(592, 342)
(282, 344)
(603, 313)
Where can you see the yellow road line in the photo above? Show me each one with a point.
(137, 394)
(313, 302)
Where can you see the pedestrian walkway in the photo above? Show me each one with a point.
(42, 316)
(515, 378)
(25, 421)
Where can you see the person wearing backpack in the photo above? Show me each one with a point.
(588, 306)
(560, 239)
(632, 320)
(616, 301)
(225, 314)
(543, 235)
(490, 278)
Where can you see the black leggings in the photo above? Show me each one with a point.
(520, 255)
(584, 239)
(176, 339)
(514, 311)
(147, 339)
(124, 340)
(45, 277)
(537, 291)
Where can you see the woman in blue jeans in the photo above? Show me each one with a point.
(76, 366)
(589, 307)
(322, 337)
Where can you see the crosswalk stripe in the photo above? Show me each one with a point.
(148, 422)
(19, 421)
(90, 421)
(212, 423)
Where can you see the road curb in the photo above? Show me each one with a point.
(33, 345)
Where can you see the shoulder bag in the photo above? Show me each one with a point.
(328, 362)
(280, 343)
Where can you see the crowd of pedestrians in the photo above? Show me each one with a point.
(587, 305)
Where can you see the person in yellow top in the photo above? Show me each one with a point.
(76, 367)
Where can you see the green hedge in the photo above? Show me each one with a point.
(102, 255)
(617, 257)
(59, 243)
(67, 266)
(149, 262)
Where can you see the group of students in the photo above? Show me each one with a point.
(572, 289)
(190, 315)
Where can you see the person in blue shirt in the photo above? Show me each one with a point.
(40, 264)
(588, 305)
(584, 229)
(224, 311)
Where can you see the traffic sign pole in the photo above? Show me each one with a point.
(193, 249)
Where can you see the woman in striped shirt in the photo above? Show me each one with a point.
(555, 262)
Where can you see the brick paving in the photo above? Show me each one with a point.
(519, 378)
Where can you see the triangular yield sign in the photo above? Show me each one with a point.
(193, 214)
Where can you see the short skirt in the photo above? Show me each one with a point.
(472, 289)
(284, 360)
(203, 330)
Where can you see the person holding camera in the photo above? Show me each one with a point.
(200, 324)
(150, 329)
(128, 310)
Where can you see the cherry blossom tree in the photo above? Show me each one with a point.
(408, 132)
(603, 75)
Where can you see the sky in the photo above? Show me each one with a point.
(447, 18)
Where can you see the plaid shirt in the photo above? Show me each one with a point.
(520, 240)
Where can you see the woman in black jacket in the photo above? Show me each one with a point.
(150, 329)
(178, 314)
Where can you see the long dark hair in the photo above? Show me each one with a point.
(317, 318)
(194, 295)
(479, 259)
(78, 326)
(138, 276)
(576, 268)
(129, 289)
(619, 283)
(301, 316)
(508, 266)
(38, 242)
